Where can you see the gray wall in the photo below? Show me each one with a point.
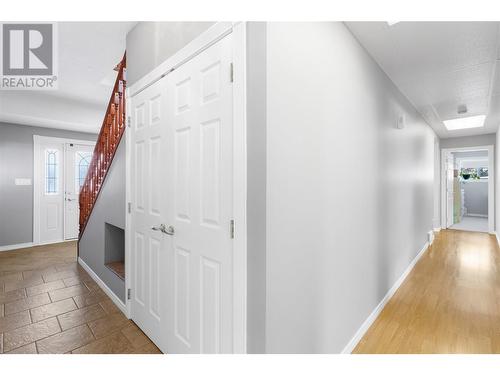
(339, 234)
(109, 208)
(16, 161)
(256, 193)
(151, 43)
(476, 197)
(470, 141)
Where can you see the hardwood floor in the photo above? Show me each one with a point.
(49, 304)
(450, 302)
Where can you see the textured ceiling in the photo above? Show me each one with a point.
(439, 66)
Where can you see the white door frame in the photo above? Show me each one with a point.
(491, 183)
(37, 173)
(201, 43)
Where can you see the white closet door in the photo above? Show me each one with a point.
(199, 195)
(181, 177)
(149, 247)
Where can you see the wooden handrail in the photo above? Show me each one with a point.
(112, 129)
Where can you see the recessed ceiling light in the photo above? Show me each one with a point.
(465, 122)
(392, 23)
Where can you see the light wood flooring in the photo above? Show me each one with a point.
(449, 303)
(49, 304)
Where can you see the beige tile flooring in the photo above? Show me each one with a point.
(50, 305)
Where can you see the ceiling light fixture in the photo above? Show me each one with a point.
(465, 122)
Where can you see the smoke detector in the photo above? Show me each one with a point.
(462, 109)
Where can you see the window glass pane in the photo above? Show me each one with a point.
(51, 172)
(482, 172)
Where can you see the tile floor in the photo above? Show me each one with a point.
(50, 305)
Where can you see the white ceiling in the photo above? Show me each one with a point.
(439, 66)
(88, 52)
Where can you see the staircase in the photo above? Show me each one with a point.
(109, 138)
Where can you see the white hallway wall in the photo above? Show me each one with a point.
(349, 197)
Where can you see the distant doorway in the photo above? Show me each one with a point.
(60, 167)
(468, 188)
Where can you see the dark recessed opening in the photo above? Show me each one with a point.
(114, 249)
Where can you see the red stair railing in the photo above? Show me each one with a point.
(112, 129)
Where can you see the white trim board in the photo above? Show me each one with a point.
(117, 301)
(376, 312)
(16, 246)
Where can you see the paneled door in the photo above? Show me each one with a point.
(200, 196)
(181, 242)
(76, 163)
(149, 245)
(50, 193)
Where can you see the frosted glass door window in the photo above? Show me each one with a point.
(51, 171)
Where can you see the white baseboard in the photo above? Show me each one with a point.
(16, 246)
(476, 215)
(117, 301)
(498, 238)
(376, 312)
(437, 230)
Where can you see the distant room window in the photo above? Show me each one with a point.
(51, 171)
(82, 162)
(482, 172)
(474, 173)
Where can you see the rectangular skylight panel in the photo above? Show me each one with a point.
(465, 122)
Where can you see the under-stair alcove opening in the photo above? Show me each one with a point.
(114, 249)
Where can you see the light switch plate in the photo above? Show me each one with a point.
(22, 181)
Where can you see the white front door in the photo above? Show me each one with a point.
(50, 191)
(449, 189)
(77, 160)
(182, 159)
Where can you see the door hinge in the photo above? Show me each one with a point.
(231, 72)
(231, 228)
(129, 121)
(129, 293)
(129, 207)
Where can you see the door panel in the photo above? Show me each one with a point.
(148, 210)
(182, 158)
(199, 147)
(50, 191)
